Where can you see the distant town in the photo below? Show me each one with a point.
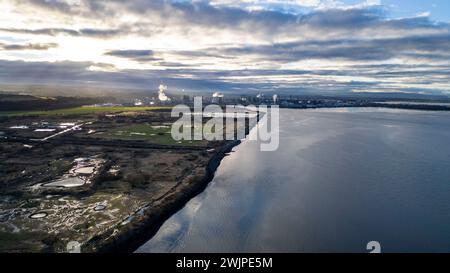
(283, 101)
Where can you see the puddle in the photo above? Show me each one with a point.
(99, 208)
(67, 124)
(114, 170)
(85, 170)
(69, 182)
(86, 166)
(45, 130)
(82, 172)
(38, 215)
(19, 127)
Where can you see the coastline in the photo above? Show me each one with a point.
(418, 107)
(146, 222)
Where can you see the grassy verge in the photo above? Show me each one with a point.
(80, 111)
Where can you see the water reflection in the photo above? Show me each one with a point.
(340, 178)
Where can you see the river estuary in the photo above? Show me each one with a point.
(340, 178)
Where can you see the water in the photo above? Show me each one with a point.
(417, 103)
(340, 178)
(66, 182)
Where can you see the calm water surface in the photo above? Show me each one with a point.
(340, 178)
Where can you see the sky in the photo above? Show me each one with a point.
(292, 46)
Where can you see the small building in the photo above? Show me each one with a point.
(217, 98)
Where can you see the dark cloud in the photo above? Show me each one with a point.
(346, 19)
(79, 74)
(354, 49)
(102, 33)
(136, 55)
(27, 46)
(426, 47)
(165, 64)
(206, 52)
(131, 53)
(42, 31)
(87, 32)
(148, 55)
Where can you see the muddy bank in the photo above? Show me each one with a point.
(144, 224)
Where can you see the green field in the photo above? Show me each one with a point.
(159, 134)
(80, 111)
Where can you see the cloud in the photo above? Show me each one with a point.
(187, 17)
(202, 13)
(136, 55)
(428, 79)
(427, 47)
(281, 45)
(27, 46)
(291, 5)
(87, 32)
(130, 53)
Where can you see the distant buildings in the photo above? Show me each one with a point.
(161, 98)
(108, 104)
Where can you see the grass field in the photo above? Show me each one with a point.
(159, 134)
(80, 111)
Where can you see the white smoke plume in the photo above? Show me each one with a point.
(217, 95)
(161, 93)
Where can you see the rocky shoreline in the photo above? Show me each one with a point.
(147, 221)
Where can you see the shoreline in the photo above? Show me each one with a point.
(420, 107)
(147, 221)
